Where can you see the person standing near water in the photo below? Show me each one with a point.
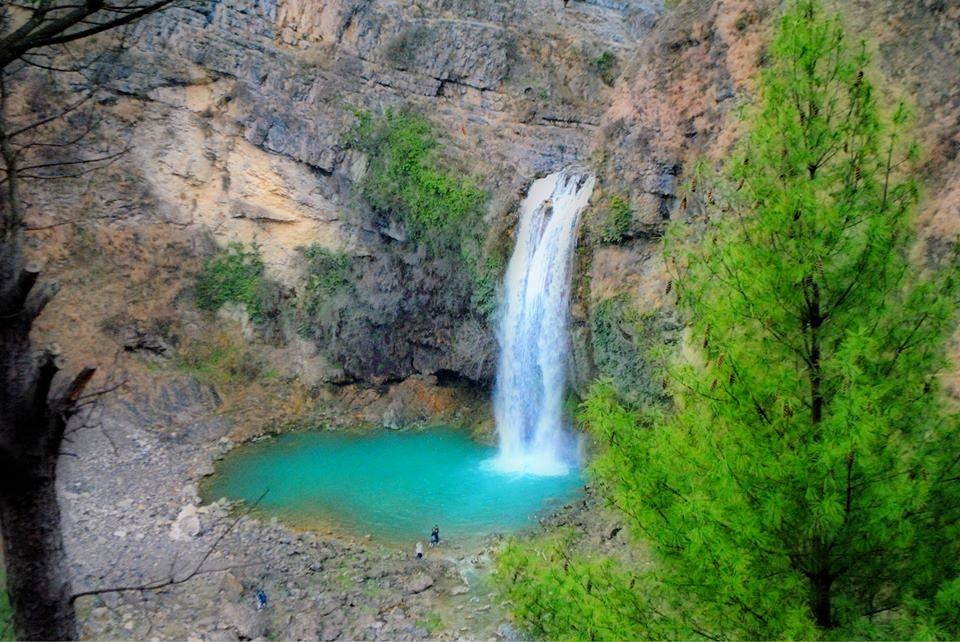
(419, 551)
(435, 536)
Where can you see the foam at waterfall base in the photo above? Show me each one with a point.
(537, 465)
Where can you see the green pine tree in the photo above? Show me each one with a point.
(804, 482)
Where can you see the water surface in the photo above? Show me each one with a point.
(391, 485)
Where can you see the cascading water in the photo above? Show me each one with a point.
(531, 375)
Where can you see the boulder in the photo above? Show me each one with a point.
(333, 626)
(135, 339)
(417, 583)
(302, 627)
(186, 526)
(393, 418)
(244, 620)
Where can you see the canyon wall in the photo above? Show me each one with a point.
(234, 114)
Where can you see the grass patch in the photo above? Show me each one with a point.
(6, 611)
(432, 624)
(222, 359)
(233, 274)
(605, 66)
(372, 588)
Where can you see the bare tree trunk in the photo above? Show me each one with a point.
(33, 416)
(31, 431)
(37, 581)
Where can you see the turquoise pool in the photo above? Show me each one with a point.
(390, 485)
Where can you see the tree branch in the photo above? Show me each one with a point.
(38, 299)
(56, 33)
(173, 580)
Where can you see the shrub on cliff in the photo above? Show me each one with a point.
(626, 349)
(605, 66)
(805, 482)
(329, 279)
(610, 222)
(440, 207)
(406, 178)
(328, 273)
(232, 274)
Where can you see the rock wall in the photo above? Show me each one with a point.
(234, 112)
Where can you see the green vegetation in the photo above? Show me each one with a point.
(627, 349)
(441, 208)
(406, 179)
(486, 266)
(328, 273)
(221, 359)
(804, 481)
(486, 284)
(329, 280)
(6, 612)
(432, 624)
(234, 274)
(611, 220)
(565, 593)
(605, 66)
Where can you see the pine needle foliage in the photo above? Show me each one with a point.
(804, 482)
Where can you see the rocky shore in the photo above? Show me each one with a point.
(133, 517)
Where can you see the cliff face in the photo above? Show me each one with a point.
(235, 111)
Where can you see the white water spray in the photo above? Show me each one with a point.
(531, 375)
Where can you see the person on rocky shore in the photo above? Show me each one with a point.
(435, 536)
(419, 550)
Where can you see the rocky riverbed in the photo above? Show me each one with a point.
(133, 517)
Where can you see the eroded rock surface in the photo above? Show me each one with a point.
(132, 482)
(234, 113)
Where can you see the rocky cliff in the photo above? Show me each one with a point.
(235, 112)
(234, 115)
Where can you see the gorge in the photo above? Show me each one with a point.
(393, 262)
(395, 486)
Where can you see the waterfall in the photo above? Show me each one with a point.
(532, 332)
